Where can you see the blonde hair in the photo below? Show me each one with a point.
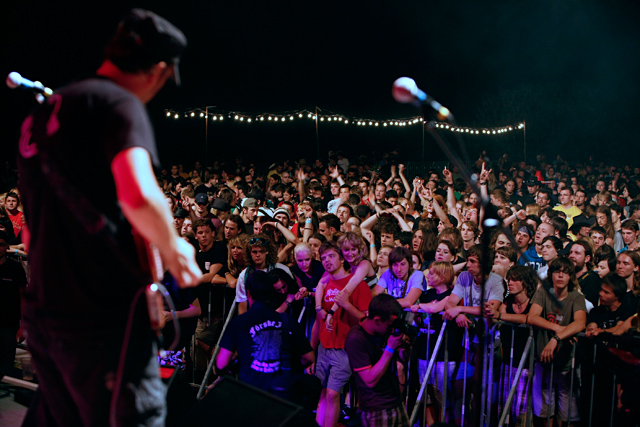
(444, 270)
(241, 241)
(356, 241)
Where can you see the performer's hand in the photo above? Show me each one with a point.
(182, 265)
(167, 316)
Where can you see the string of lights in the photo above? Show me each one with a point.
(325, 116)
(478, 131)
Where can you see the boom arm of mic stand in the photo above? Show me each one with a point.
(491, 219)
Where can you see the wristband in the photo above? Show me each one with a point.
(330, 312)
(288, 303)
(389, 349)
(318, 308)
(557, 338)
(307, 221)
(373, 245)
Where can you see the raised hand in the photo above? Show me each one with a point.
(448, 176)
(484, 174)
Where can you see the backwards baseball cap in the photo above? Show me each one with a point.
(144, 39)
(202, 198)
(249, 202)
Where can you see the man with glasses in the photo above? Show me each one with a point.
(263, 256)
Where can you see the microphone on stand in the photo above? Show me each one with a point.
(405, 90)
(15, 81)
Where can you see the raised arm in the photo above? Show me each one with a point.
(301, 176)
(403, 224)
(392, 177)
(405, 183)
(335, 173)
(451, 195)
(439, 211)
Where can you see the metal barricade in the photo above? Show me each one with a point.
(505, 417)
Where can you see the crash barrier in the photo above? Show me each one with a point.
(518, 376)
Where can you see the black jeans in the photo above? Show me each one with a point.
(73, 358)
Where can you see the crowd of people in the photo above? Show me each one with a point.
(335, 235)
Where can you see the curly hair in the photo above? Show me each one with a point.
(264, 241)
(241, 240)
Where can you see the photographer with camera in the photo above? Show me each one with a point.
(371, 348)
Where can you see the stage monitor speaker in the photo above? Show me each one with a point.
(233, 403)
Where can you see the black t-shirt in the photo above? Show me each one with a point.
(81, 128)
(317, 270)
(12, 280)
(269, 345)
(607, 319)
(220, 252)
(205, 260)
(454, 333)
(364, 350)
(590, 285)
(520, 335)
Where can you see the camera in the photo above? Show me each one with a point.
(404, 324)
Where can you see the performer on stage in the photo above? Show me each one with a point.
(86, 179)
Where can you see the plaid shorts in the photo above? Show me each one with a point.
(394, 417)
(519, 402)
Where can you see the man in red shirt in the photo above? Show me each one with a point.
(11, 203)
(332, 366)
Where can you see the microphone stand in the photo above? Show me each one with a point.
(491, 221)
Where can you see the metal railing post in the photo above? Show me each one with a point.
(549, 396)
(445, 378)
(483, 376)
(593, 383)
(530, 382)
(514, 383)
(573, 371)
(432, 361)
(490, 344)
(464, 377)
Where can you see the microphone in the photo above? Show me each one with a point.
(15, 80)
(405, 90)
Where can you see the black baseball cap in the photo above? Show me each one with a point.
(143, 39)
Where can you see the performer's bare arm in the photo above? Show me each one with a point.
(144, 207)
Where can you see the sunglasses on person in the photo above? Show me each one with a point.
(261, 241)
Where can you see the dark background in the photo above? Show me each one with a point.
(569, 68)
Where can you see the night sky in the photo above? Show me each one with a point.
(569, 68)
